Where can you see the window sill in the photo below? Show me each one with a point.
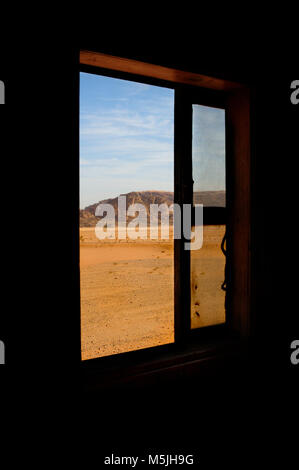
(163, 365)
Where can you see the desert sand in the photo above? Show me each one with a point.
(127, 297)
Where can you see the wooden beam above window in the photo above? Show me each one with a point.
(121, 64)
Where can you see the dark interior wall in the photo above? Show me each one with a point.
(219, 418)
(46, 122)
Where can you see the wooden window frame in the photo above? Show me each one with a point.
(184, 100)
(191, 345)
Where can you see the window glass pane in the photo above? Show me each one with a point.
(126, 149)
(208, 263)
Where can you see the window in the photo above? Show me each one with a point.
(126, 155)
(211, 166)
(208, 172)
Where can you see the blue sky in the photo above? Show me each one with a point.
(208, 148)
(127, 138)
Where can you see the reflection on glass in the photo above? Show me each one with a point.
(208, 263)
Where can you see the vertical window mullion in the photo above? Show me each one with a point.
(183, 193)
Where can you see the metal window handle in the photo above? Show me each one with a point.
(223, 285)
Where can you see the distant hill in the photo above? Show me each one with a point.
(210, 198)
(207, 198)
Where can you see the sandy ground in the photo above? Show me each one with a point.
(207, 276)
(127, 291)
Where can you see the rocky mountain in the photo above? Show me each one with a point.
(207, 198)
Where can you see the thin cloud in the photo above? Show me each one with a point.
(126, 138)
